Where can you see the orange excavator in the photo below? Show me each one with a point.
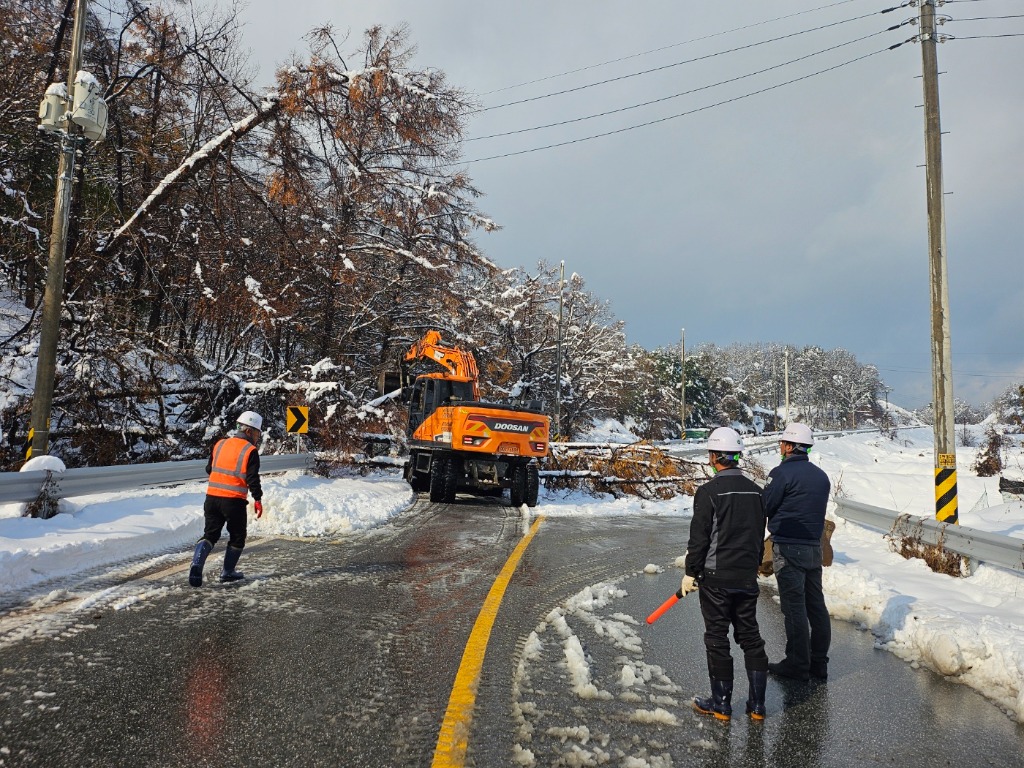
(457, 443)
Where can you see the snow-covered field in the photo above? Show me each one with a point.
(971, 628)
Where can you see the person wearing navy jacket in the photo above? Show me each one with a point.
(795, 499)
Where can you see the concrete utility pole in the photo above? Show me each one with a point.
(682, 384)
(942, 364)
(886, 389)
(558, 353)
(787, 385)
(53, 297)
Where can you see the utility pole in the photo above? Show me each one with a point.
(53, 297)
(682, 384)
(886, 389)
(942, 364)
(775, 396)
(787, 385)
(558, 353)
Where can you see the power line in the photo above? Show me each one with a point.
(987, 18)
(663, 48)
(986, 353)
(668, 66)
(683, 114)
(979, 37)
(959, 373)
(678, 95)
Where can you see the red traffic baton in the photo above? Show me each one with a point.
(661, 609)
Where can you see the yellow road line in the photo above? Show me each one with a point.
(453, 739)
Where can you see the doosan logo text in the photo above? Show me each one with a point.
(505, 426)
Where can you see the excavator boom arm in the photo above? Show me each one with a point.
(457, 361)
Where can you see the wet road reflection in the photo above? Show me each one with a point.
(344, 652)
(205, 705)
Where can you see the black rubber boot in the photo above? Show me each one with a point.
(719, 703)
(195, 573)
(230, 561)
(758, 682)
(786, 668)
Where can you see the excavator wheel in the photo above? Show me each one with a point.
(517, 491)
(439, 469)
(532, 485)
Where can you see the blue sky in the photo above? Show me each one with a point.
(792, 215)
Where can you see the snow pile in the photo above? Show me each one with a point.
(99, 530)
(44, 464)
(298, 505)
(969, 629)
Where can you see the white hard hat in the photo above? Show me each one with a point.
(251, 419)
(798, 433)
(725, 440)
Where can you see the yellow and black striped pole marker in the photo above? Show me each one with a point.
(945, 489)
(31, 436)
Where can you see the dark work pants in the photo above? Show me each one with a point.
(808, 628)
(720, 608)
(219, 510)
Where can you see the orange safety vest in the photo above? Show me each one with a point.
(227, 469)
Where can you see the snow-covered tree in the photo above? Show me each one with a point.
(1009, 407)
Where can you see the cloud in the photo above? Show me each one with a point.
(806, 194)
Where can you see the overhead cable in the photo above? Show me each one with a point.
(683, 114)
(678, 95)
(978, 37)
(987, 18)
(955, 373)
(668, 66)
(664, 48)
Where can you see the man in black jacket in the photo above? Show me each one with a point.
(722, 556)
(795, 498)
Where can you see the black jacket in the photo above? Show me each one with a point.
(727, 531)
(795, 499)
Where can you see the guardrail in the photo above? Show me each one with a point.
(28, 486)
(971, 543)
(766, 442)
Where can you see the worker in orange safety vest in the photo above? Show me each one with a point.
(234, 470)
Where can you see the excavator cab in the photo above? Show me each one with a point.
(430, 393)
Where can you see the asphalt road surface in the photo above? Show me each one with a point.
(345, 652)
